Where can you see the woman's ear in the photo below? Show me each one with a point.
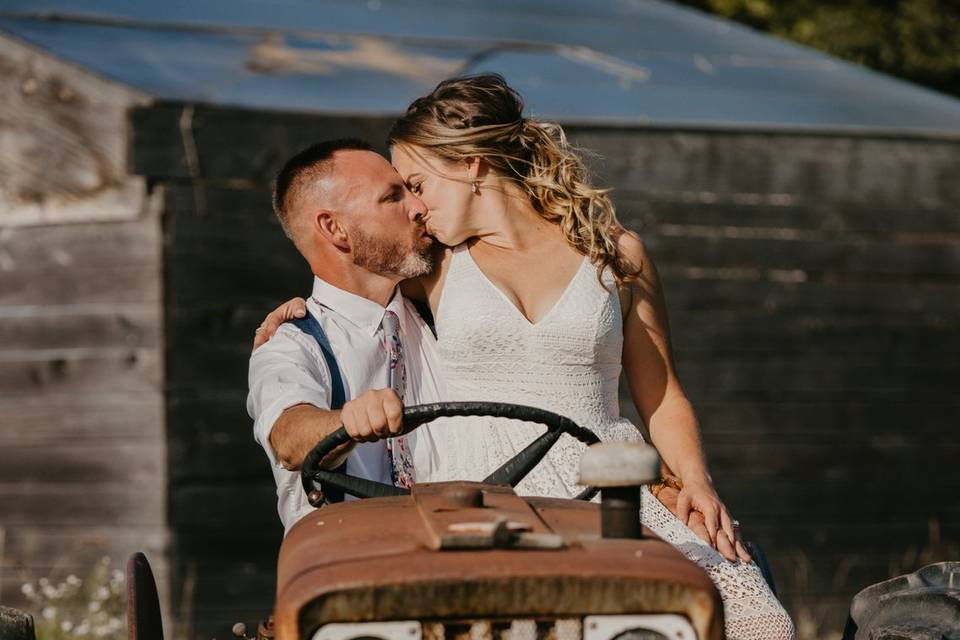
(327, 225)
(476, 168)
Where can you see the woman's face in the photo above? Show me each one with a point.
(444, 187)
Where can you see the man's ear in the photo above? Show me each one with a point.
(327, 224)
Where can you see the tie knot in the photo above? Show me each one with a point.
(390, 323)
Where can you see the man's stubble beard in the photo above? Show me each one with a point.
(378, 256)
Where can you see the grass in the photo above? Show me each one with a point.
(88, 608)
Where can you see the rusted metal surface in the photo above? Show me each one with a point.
(376, 560)
(473, 515)
(619, 509)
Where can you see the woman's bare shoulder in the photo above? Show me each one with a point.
(633, 250)
(645, 285)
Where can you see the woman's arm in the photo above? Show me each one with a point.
(660, 398)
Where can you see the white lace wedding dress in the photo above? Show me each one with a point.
(568, 363)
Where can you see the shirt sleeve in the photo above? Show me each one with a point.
(286, 371)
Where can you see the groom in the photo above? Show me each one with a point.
(361, 231)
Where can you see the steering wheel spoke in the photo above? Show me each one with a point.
(516, 468)
(357, 486)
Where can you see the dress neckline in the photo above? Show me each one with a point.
(511, 304)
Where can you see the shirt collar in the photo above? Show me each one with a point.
(365, 314)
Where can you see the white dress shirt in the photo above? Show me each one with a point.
(290, 369)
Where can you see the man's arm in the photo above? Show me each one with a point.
(289, 401)
(298, 430)
(371, 416)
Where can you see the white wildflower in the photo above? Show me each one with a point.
(105, 560)
(28, 590)
(83, 628)
(100, 631)
(73, 580)
(43, 582)
(66, 625)
(102, 593)
(49, 613)
(94, 606)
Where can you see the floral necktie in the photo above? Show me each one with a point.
(398, 453)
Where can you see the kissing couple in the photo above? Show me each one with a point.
(539, 296)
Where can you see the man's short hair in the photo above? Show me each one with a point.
(307, 166)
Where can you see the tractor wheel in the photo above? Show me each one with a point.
(924, 605)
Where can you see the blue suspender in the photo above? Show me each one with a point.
(310, 326)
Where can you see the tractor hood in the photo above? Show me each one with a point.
(465, 550)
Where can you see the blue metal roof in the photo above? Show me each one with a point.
(610, 61)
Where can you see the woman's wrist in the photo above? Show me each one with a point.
(695, 476)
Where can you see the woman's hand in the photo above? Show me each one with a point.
(663, 405)
(699, 506)
(295, 308)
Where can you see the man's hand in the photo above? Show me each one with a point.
(373, 415)
(295, 308)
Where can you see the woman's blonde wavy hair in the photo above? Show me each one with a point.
(481, 116)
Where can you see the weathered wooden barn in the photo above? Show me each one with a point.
(804, 215)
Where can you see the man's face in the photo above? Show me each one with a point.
(384, 221)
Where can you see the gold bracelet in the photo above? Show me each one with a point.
(665, 481)
(673, 482)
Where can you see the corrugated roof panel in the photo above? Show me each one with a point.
(323, 73)
(607, 25)
(556, 88)
(617, 61)
(169, 65)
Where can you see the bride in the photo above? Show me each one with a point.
(540, 298)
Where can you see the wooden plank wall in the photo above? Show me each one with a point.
(813, 285)
(82, 453)
(82, 448)
(813, 289)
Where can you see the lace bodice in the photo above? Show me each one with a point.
(568, 363)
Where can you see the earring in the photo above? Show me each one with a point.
(476, 187)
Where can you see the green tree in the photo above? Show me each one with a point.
(917, 40)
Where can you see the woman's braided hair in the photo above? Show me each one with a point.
(481, 116)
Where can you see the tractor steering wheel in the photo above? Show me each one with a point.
(315, 480)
